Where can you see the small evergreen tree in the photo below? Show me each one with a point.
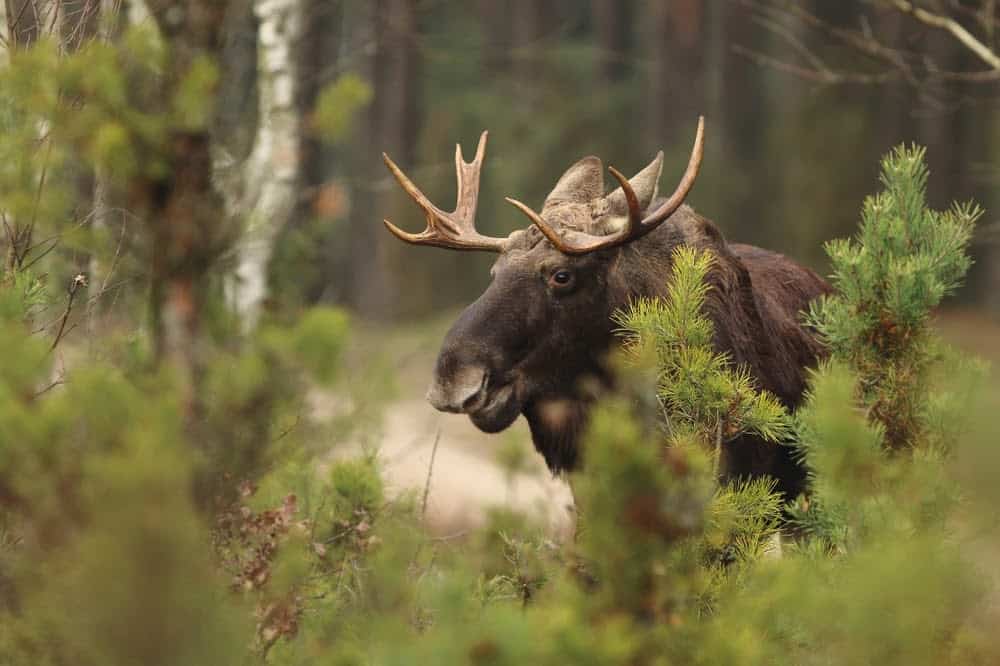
(701, 393)
(704, 400)
(905, 259)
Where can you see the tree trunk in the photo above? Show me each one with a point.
(527, 30)
(674, 33)
(79, 21)
(611, 20)
(182, 208)
(318, 60)
(272, 170)
(392, 127)
(23, 26)
(494, 23)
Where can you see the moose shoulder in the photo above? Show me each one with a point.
(535, 342)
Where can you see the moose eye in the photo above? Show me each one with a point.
(561, 278)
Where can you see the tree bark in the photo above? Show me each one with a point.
(611, 20)
(494, 23)
(182, 208)
(392, 127)
(318, 60)
(78, 23)
(272, 171)
(674, 33)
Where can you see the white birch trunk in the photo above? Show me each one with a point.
(271, 173)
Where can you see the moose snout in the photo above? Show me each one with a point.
(460, 392)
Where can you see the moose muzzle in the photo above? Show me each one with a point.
(461, 391)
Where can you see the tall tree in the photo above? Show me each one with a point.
(673, 33)
(23, 24)
(271, 173)
(392, 127)
(612, 27)
(318, 65)
(182, 207)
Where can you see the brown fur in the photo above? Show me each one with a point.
(544, 347)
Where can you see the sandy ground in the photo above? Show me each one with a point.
(467, 478)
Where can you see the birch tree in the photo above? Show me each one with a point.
(271, 173)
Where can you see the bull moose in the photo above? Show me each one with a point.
(536, 341)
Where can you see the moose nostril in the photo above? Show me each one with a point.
(460, 392)
(474, 397)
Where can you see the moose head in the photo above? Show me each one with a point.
(534, 342)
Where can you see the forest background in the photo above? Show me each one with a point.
(802, 98)
(213, 348)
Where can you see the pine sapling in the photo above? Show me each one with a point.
(699, 389)
(904, 260)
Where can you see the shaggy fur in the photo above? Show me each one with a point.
(543, 346)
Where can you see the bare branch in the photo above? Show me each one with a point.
(916, 68)
(51, 385)
(862, 41)
(949, 24)
(74, 286)
(790, 37)
(824, 76)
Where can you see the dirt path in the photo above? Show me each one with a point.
(467, 479)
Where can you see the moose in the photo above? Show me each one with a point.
(536, 342)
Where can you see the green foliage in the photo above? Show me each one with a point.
(886, 357)
(318, 341)
(134, 531)
(698, 387)
(636, 500)
(742, 521)
(108, 123)
(339, 104)
(905, 259)
(193, 100)
(109, 562)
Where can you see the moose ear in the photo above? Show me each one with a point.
(583, 182)
(645, 184)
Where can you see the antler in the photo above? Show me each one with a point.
(575, 242)
(455, 230)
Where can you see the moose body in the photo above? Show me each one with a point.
(536, 342)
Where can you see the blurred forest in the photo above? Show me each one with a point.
(204, 455)
(801, 99)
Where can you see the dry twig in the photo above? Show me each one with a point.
(80, 280)
(956, 29)
(430, 471)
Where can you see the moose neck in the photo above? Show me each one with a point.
(642, 270)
